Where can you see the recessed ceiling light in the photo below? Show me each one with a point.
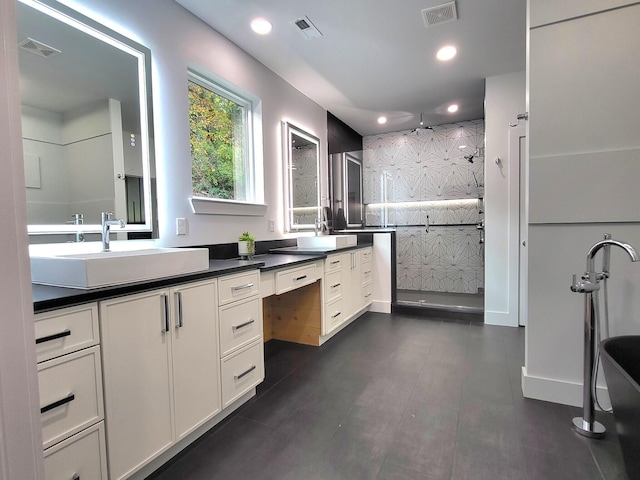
(446, 53)
(462, 146)
(452, 108)
(382, 120)
(261, 26)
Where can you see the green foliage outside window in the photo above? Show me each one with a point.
(217, 134)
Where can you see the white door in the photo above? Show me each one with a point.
(196, 361)
(137, 380)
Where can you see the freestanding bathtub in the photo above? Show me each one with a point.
(621, 362)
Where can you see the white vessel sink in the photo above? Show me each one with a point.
(332, 242)
(101, 269)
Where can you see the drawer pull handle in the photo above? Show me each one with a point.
(242, 325)
(367, 295)
(244, 374)
(165, 313)
(55, 336)
(335, 262)
(242, 287)
(180, 317)
(300, 278)
(335, 286)
(58, 403)
(367, 272)
(336, 315)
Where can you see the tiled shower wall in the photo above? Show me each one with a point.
(414, 178)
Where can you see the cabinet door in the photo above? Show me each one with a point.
(196, 360)
(137, 379)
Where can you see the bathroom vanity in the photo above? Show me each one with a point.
(131, 374)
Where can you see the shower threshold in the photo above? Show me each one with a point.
(444, 301)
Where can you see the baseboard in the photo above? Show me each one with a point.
(501, 319)
(380, 306)
(557, 391)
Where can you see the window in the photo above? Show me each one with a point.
(223, 160)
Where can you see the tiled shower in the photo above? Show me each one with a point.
(428, 184)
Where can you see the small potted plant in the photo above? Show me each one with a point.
(246, 245)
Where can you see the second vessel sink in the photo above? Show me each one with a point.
(101, 269)
(332, 242)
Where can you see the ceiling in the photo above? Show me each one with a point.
(377, 57)
(87, 70)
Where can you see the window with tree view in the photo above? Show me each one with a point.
(220, 148)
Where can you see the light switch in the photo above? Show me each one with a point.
(272, 225)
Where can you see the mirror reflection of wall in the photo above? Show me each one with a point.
(346, 190)
(85, 122)
(302, 196)
(353, 188)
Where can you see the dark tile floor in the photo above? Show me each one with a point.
(399, 397)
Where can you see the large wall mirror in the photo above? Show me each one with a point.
(86, 121)
(302, 183)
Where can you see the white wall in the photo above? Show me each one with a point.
(20, 433)
(504, 99)
(584, 155)
(178, 40)
(76, 167)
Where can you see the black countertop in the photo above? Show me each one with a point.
(49, 298)
(321, 251)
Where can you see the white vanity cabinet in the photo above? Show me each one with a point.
(161, 370)
(347, 286)
(366, 278)
(241, 346)
(70, 384)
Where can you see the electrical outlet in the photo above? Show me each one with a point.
(272, 225)
(181, 226)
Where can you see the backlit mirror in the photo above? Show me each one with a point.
(302, 185)
(85, 93)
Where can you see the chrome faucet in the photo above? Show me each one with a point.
(319, 226)
(107, 221)
(589, 285)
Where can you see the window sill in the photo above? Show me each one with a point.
(211, 206)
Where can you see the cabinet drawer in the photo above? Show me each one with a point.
(84, 454)
(236, 287)
(293, 278)
(65, 331)
(70, 394)
(366, 254)
(367, 273)
(241, 372)
(333, 263)
(332, 286)
(240, 324)
(367, 293)
(334, 315)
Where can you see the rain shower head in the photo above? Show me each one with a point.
(421, 126)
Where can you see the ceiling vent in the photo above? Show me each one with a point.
(306, 28)
(38, 48)
(440, 14)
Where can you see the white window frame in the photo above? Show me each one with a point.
(253, 205)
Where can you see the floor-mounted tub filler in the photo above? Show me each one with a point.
(589, 284)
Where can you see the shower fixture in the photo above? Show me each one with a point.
(479, 152)
(420, 126)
